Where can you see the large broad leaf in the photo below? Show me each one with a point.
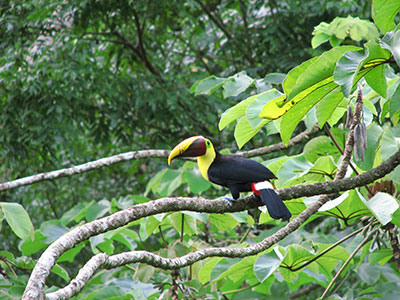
(326, 107)
(382, 205)
(223, 221)
(237, 111)
(207, 86)
(266, 265)
(18, 219)
(189, 226)
(320, 146)
(237, 84)
(293, 168)
(244, 131)
(244, 268)
(384, 12)
(391, 41)
(254, 108)
(321, 69)
(347, 69)
(355, 64)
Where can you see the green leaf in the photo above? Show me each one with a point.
(254, 108)
(190, 225)
(326, 107)
(266, 265)
(384, 12)
(341, 28)
(236, 111)
(169, 182)
(61, 272)
(382, 205)
(196, 182)
(394, 106)
(292, 168)
(391, 41)
(321, 69)
(70, 254)
(347, 68)
(98, 210)
(18, 219)
(207, 86)
(53, 230)
(389, 144)
(319, 147)
(380, 256)
(275, 78)
(223, 221)
(29, 247)
(239, 270)
(205, 271)
(237, 84)
(244, 131)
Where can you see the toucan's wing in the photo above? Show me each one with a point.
(233, 169)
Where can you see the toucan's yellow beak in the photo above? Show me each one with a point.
(191, 147)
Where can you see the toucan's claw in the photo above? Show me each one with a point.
(228, 199)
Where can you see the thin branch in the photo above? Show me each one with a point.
(305, 135)
(162, 237)
(35, 286)
(107, 161)
(328, 249)
(86, 167)
(305, 291)
(365, 241)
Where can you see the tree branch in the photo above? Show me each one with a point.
(35, 286)
(305, 135)
(127, 156)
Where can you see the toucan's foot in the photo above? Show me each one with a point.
(228, 199)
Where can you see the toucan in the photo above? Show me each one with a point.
(237, 173)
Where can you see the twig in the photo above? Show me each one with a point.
(328, 249)
(245, 235)
(182, 226)
(305, 135)
(162, 237)
(305, 291)
(365, 241)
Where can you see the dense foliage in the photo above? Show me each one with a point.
(83, 80)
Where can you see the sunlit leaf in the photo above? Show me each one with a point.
(384, 12)
(18, 219)
(382, 205)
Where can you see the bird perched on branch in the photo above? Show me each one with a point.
(235, 172)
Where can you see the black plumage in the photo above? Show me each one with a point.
(238, 173)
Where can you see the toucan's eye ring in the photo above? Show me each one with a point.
(208, 143)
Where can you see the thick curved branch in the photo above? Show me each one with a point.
(107, 161)
(35, 286)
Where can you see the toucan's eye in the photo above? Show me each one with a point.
(208, 143)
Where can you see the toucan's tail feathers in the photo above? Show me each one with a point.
(276, 208)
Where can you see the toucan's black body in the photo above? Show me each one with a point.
(235, 172)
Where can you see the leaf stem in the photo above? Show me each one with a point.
(365, 241)
(329, 248)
